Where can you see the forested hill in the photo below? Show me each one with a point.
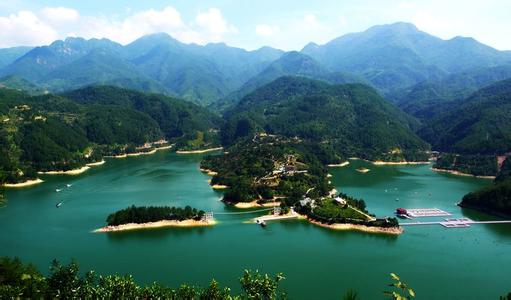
(481, 124)
(51, 132)
(175, 117)
(430, 98)
(353, 118)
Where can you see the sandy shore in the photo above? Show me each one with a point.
(198, 151)
(362, 170)
(453, 172)
(254, 204)
(95, 164)
(219, 187)
(272, 217)
(158, 224)
(369, 229)
(69, 172)
(398, 163)
(209, 172)
(343, 164)
(153, 151)
(23, 184)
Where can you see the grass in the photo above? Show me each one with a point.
(329, 208)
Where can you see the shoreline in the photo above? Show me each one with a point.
(343, 164)
(152, 225)
(95, 164)
(134, 154)
(254, 204)
(208, 172)
(356, 227)
(198, 151)
(458, 173)
(68, 172)
(26, 183)
(398, 163)
(219, 187)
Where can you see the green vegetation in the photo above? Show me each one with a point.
(479, 165)
(52, 133)
(351, 119)
(431, 98)
(266, 167)
(481, 124)
(143, 214)
(18, 280)
(405, 292)
(352, 211)
(495, 199)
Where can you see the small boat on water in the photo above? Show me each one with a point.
(262, 223)
(69, 185)
(58, 190)
(58, 204)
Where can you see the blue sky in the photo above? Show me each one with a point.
(284, 24)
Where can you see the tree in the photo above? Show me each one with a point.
(405, 292)
(258, 286)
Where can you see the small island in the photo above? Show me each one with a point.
(142, 217)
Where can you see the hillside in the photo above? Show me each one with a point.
(9, 55)
(398, 55)
(352, 118)
(50, 132)
(154, 63)
(427, 99)
(480, 124)
(290, 64)
(21, 84)
(495, 199)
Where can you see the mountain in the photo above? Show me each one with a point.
(353, 118)
(200, 73)
(399, 55)
(429, 98)
(21, 84)
(480, 124)
(154, 63)
(289, 64)
(9, 55)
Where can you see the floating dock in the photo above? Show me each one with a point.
(426, 212)
(456, 223)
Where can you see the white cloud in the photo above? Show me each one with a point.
(59, 14)
(51, 23)
(266, 30)
(25, 28)
(213, 22)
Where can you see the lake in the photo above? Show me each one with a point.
(439, 263)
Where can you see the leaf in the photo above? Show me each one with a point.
(394, 276)
(411, 292)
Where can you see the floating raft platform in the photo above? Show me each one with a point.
(456, 223)
(426, 212)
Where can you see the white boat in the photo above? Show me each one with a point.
(58, 190)
(58, 204)
(69, 185)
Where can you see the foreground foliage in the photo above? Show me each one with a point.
(18, 280)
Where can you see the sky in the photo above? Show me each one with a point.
(283, 24)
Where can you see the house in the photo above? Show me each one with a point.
(340, 200)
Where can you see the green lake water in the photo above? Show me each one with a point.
(439, 263)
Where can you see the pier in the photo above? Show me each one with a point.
(456, 223)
